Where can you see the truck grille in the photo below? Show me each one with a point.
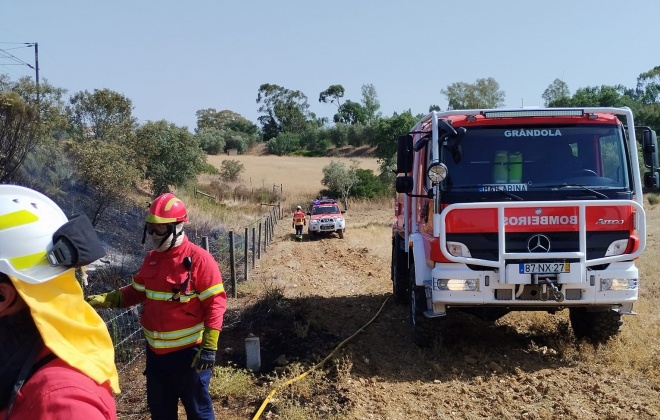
(484, 245)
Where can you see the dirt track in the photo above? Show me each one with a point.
(525, 366)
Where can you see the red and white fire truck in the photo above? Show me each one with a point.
(524, 209)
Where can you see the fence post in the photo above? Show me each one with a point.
(205, 242)
(254, 250)
(245, 256)
(266, 233)
(259, 243)
(232, 263)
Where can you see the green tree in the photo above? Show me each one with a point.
(484, 93)
(351, 113)
(332, 95)
(230, 170)
(369, 185)
(284, 110)
(388, 129)
(107, 167)
(175, 157)
(557, 94)
(339, 179)
(211, 140)
(102, 115)
(370, 103)
(42, 167)
(284, 144)
(18, 125)
(648, 86)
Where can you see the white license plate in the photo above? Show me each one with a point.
(329, 227)
(544, 268)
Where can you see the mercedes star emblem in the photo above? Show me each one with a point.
(538, 243)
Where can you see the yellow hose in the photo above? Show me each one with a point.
(319, 364)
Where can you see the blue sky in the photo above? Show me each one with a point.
(172, 58)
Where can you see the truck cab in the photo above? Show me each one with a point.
(522, 209)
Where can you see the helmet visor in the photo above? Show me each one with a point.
(159, 229)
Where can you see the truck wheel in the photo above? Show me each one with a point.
(421, 326)
(399, 274)
(341, 234)
(598, 327)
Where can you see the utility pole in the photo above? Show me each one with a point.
(36, 67)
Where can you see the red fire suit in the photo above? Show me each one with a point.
(170, 323)
(57, 391)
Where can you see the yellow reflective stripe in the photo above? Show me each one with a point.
(211, 291)
(27, 261)
(155, 339)
(17, 218)
(137, 286)
(168, 344)
(176, 334)
(165, 296)
(154, 295)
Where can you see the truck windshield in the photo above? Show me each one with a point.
(526, 158)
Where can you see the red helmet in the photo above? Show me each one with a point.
(166, 208)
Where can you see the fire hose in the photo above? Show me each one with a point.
(318, 365)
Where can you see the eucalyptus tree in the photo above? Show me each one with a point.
(484, 93)
(370, 103)
(284, 110)
(557, 94)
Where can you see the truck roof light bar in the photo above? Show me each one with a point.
(534, 113)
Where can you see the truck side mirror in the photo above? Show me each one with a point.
(650, 149)
(651, 180)
(404, 154)
(404, 184)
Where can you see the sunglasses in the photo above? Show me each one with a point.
(156, 229)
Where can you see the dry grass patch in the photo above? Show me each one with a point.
(297, 176)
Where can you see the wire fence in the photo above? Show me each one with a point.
(236, 254)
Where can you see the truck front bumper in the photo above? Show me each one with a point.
(456, 285)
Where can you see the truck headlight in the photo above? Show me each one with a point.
(458, 249)
(617, 247)
(469, 285)
(618, 284)
(313, 222)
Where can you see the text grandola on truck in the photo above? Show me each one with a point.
(518, 210)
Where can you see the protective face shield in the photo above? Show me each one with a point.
(37, 241)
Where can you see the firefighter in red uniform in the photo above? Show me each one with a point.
(299, 221)
(184, 302)
(56, 356)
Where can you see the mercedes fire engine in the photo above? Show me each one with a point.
(523, 209)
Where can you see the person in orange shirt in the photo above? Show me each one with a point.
(299, 221)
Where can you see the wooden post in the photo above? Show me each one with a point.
(205, 242)
(266, 233)
(232, 263)
(259, 243)
(245, 253)
(254, 250)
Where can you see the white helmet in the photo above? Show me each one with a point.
(28, 220)
(298, 208)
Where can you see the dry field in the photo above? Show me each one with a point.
(299, 177)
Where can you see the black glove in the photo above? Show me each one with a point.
(204, 359)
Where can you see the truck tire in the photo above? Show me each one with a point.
(422, 327)
(400, 273)
(341, 234)
(598, 327)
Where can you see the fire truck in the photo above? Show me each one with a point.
(530, 209)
